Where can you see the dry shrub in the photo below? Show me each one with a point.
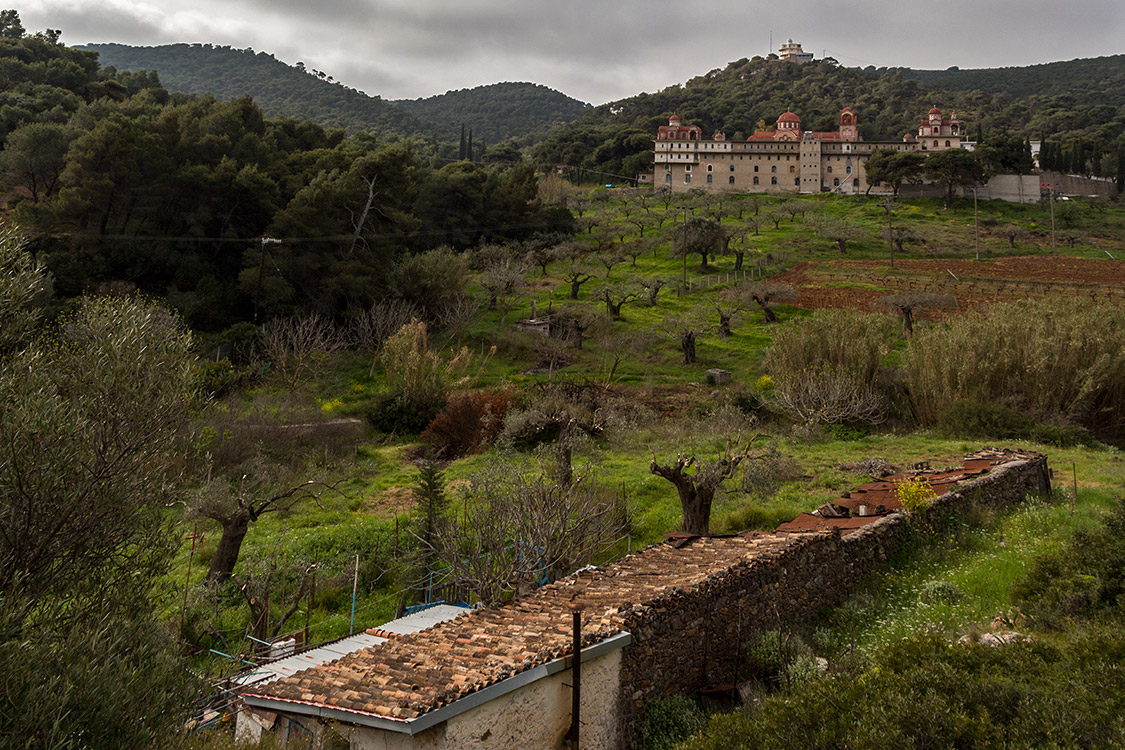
(842, 340)
(469, 422)
(1056, 360)
(825, 396)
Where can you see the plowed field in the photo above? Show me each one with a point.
(860, 283)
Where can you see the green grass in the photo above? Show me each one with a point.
(980, 562)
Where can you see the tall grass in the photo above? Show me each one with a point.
(1054, 359)
(840, 340)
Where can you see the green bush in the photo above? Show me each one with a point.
(1084, 579)
(216, 379)
(940, 592)
(926, 692)
(667, 721)
(1053, 360)
(395, 413)
(846, 433)
(977, 419)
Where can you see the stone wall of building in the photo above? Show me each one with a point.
(694, 639)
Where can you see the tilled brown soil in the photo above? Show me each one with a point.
(860, 283)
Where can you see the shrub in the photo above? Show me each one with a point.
(940, 592)
(916, 494)
(1056, 360)
(827, 396)
(1083, 578)
(764, 474)
(841, 340)
(775, 656)
(468, 422)
(971, 418)
(667, 721)
(219, 378)
(394, 413)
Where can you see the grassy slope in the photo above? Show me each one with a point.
(378, 491)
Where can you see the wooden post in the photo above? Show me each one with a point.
(576, 680)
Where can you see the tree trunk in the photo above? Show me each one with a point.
(907, 321)
(687, 345)
(843, 245)
(696, 506)
(234, 531)
(738, 255)
(724, 326)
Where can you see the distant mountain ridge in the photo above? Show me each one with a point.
(494, 112)
(280, 90)
(1104, 76)
(498, 111)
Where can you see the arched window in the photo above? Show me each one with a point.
(687, 179)
(709, 179)
(773, 168)
(797, 181)
(836, 182)
(947, 144)
(755, 180)
(710, 167)
(731, 179)
(773, 180)
(732, 167)
(830, 170)
(668, 177)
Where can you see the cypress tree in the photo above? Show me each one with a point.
(469, 147)
(461, 152)
(431, 504)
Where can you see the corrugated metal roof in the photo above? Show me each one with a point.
(330, 652)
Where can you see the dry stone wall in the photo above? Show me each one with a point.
(693, 639)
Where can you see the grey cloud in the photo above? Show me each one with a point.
(591, 49)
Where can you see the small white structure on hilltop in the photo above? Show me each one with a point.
(792, 52)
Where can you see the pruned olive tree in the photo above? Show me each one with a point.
(243, 494)
(767, 293)
(697, 488)
(517, 530)
(906, 305)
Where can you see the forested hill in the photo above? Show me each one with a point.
(494, 112)
(497, 111)
(746, 94)
(1097, 77)
(120, 185)
(280, 90)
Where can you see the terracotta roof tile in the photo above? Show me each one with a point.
(412, 674)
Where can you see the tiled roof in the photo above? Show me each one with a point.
(413, 674)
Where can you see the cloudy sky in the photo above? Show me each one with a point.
(593, 50)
